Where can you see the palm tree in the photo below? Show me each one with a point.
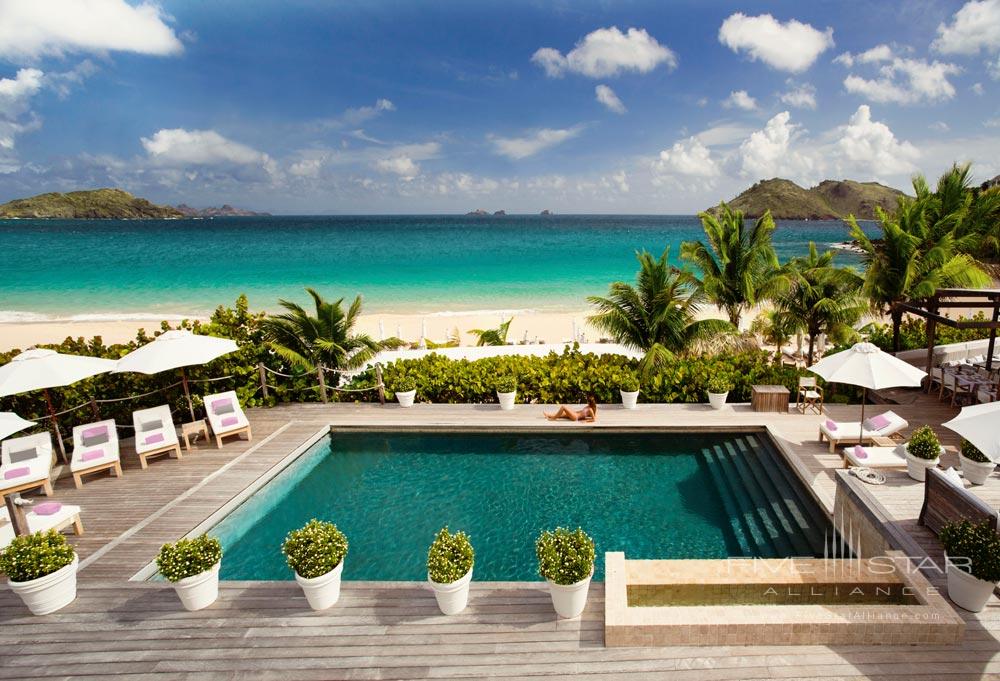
(320, 342)
(924, 247)
(821, 299)
(739, 267)
(657, 315)
(497, 336)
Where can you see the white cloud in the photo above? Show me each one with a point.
(741, 100)
(16, 116)
(992, 123)
(307, 167)
(609, 99)
(800, 96)
(180, 147)
(723, 134)
(619, 180)
(607, 52)
(939, 126)
(516, 148)
(769, 153)
(790, 46)
(977, 89)
(976, 26)
(31, 29)
(404, 166)
(64, 82)
(871, 145)
(877, 54)
(353, 117)
(688, 158)
(906, 81)
(993, 68)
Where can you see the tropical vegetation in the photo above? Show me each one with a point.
(35, 555)
(973, 548)
(497, 336)
(924, 444)
(565, 556)
(450, 556)
(188, 557)
(973, 453)
(314, 549)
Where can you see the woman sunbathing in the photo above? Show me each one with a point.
(588, 413)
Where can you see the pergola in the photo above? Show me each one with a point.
(958, 298)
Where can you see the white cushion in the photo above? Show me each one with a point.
(952, 476)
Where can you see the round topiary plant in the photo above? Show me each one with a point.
(924, 444)
(450, 557)
(630, 383)
(405, 384)
(315, 549)
(972, 453)
(188, 557)
(973, 548)
(35, 555)
(718, 385)
(506, 384)
(565, 556)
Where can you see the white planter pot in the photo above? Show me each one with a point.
(49, 593)
(976, 472)
(406, 398)
(452, 598)
(199, 591)
(917, 468)
(717, 400)
(322, 591)
(629, 399)
(569, 600)
(506, 400)
(966, 591)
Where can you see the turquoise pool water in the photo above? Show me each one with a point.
(649, 495)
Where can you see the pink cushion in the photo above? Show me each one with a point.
(16, 473)
(831, 425)
(91, 455)
(95, 432)
(153, 439)
(230, 421)
(859, 452)
(879, 422)
(48, 508)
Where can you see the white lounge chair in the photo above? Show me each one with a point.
(876, 457)
(226, 417)
(25, 463)
(155, 434)
(95, 448)
(42, 518)
(849, 432)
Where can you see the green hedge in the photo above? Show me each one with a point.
(913, 333)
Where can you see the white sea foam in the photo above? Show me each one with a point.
(24, 317)
(480, 313)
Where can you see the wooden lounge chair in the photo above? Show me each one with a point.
(95, 449)
(226, 417)
(946, 502)
(876, 457)
(155, 434)
(848, 432)
(25, 463)
(42, 518)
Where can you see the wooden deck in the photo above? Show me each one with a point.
(264, 630)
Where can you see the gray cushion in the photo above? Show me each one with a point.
(147, 426)
(94, 440)
(226, 408)
(23, 455)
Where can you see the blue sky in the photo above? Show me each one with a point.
(388, 107)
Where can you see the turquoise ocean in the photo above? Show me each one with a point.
(117, 269)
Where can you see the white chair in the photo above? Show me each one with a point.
(876, 457)
(809, 395)
(42, 518)
(155, 434)
(849, 432)
(226, 417)
(25, 463)
(95, 448)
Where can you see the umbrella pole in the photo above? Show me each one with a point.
(55, 425)
(187, 392)
(861, 430)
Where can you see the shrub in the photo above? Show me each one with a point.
(565, 556)
(314, 549)
(972, 453)
(506, 384)
(406, 384)
(978, 544)
(924, 444)
(718, 384)
(35, 555)
(629, 383)
(188, 557)
(450, 557)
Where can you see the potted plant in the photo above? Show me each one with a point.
(506, 392)
(566, 561)
(41, 569)
(923, 451)
(449, 570)
(192, 566)
(630, 391)
(972, 563)
(406, 390)
(316, 553)
(718, 390)
(975, 465)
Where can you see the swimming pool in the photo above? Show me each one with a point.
(649, 494)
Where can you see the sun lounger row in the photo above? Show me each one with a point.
(852, 432)
(43, 517)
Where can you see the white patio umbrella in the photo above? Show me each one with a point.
(41, 369)
(980, 425)
(11, 423)
(867, 367)
(175, 350)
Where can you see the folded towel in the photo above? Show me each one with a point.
(153, 439)
(48, 508)
(229, 421)
(831, 425)
(91, 455)
(16, 473)
(879, 422)
(859, 452)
